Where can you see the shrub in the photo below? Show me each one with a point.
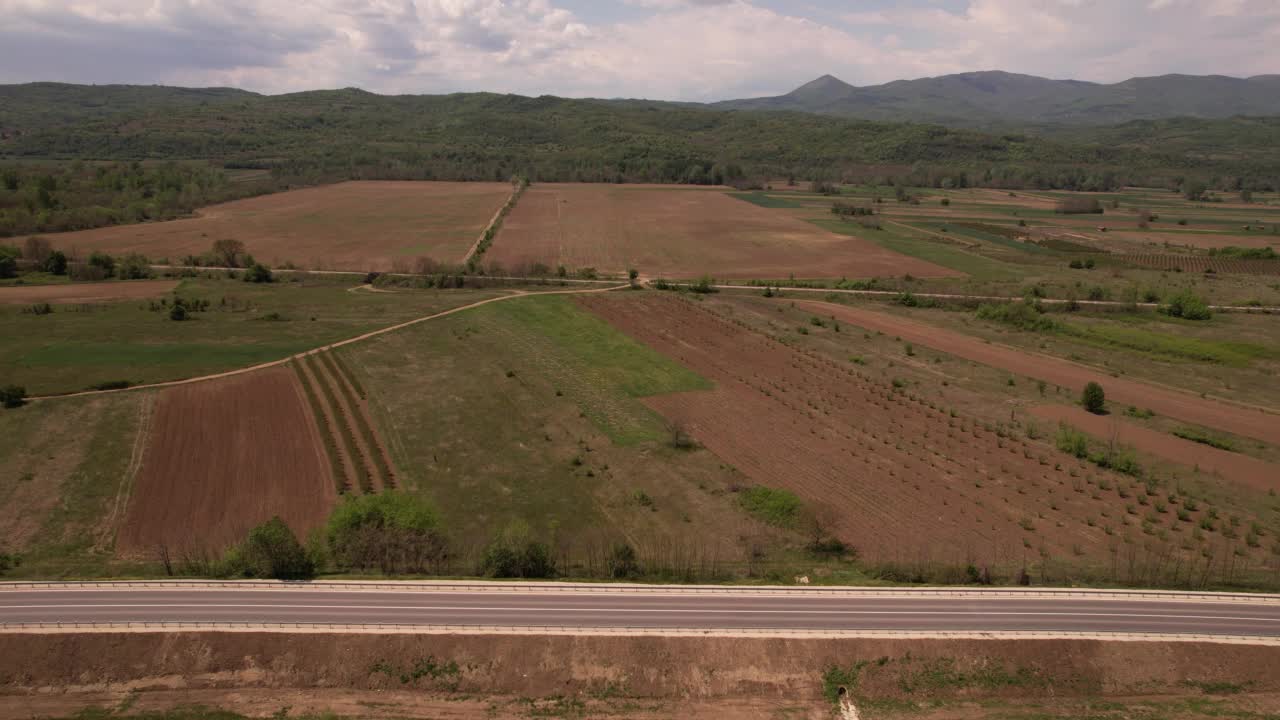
(104, 262)
(258, 273)
(12, 396)
(38, 309)
(392, 532)
(1187, 305)
(1072, 441)
(8, 266)
(1094, 398)
(270, 551)
(622, 562)
(505, 559)
(705, 285)
(133, 267)
(1024, 316)
(178, 312)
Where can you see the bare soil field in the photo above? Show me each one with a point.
(85, 292)
(608, 676)
(356, 226)
(1231, 466)
(224, 456)
(1239, 420)
(896, 476)
(683, 233)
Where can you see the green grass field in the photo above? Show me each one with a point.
(79, 346)
(527, 414)
(66, 463)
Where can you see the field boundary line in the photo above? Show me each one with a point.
(436, 586)
(323, 348)
(27, 628)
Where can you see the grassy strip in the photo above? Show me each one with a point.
(765, 201)
(344, 422)
(326, 431)
(1029, 318)
(361, 422)
(1118, 458)
(1199, 436)
(348, 374)
(780, 508)
(935, 251)
(491, 232)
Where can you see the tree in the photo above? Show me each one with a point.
(228, 252)
(1094, 398)
(8, 266)
(56, 263)
(392, 532)
(632, 274)
(12, 396)
(178, 312)
(1194, 190)
(271, 551)
(1188, 306)
(133, 267)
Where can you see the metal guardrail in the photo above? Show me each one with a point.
(621, 589)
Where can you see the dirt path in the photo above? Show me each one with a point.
(1258, 423)
(341, 343)
(1231, 466)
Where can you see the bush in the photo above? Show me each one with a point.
(705, 285)
(270, 551)
(1024, 316)
(12, 396)
(56, 264)
(1072, 441)
(1188, 306)
(104, 262)
(504, 559)
(133, 267)
(391, 532)
(8, 266)
(1094, 398)
(178, 312)
(622, 562)
(258, 273)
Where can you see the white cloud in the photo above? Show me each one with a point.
(678, 49)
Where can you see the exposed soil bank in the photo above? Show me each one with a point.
(789, 671)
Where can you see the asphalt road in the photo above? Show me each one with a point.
(645, 609)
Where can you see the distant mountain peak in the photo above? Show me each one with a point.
(826, 85)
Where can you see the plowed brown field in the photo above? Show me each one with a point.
(905, 480)
(226, 455)
(683, 233)
(1231, 466)
(1253, 423)
(355, 226)
(85, 292)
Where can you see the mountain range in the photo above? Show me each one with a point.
(994, 99)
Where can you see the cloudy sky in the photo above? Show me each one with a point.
(666, 49)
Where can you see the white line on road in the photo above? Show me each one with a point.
(726, 611)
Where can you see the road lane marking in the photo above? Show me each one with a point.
(725, 611)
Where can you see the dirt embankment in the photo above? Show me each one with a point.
(689, 669)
